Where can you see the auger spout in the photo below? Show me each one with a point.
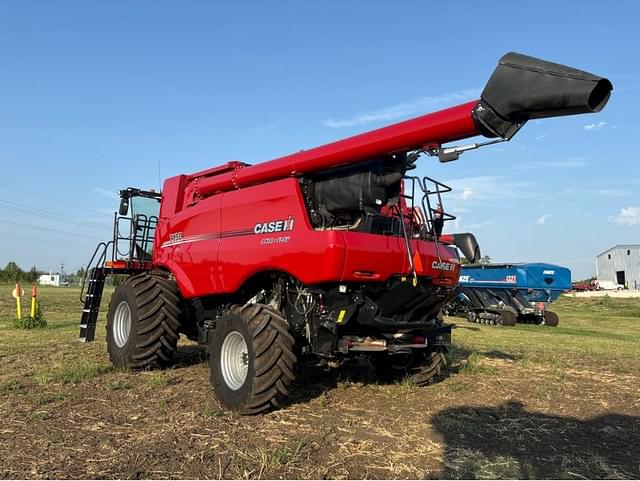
(520, 88)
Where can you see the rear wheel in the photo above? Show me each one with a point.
(421, 366)
(251, 359)
(143, 322)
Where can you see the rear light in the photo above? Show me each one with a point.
(366, 274)
(116, 264)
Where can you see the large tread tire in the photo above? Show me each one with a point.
(270, 359)
(425, 367)
(155, 309)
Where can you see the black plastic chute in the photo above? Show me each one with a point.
(523, 88)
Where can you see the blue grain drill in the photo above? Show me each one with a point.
(509, 293)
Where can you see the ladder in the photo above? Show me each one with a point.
(89, 319)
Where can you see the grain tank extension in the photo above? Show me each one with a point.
(330, 253)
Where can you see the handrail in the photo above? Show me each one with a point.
(101, 259)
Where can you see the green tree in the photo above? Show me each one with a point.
(33, 274)
(12, 272)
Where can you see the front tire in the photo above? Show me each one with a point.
(251, 359)
(143, 322)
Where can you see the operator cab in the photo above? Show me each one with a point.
(135, 225)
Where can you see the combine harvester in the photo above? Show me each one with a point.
(330, 253)
(507, 294)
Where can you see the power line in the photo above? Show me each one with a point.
(43, 239)
(71, 204)
(58, 231)
(35, 211)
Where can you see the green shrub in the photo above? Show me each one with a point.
(36, 322)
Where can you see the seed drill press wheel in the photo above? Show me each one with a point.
(508, 318)
(551, 319)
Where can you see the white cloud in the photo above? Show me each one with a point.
(480, 224)
(467, 192)
(606, 192)
(106, 193)
(597, 126)
(556, 164)
(614, 192)
(541, 136)
(543, 219)
(402, 110)
(459, 210)
(267, 127)
(488, 188)
(627, 216)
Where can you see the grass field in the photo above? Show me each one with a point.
(523, 402)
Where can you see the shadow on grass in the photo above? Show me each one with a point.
(313, 381)
(508, 441)
(501, 355)
(63, 325)
(190, 355)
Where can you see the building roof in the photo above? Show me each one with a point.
(619, 246)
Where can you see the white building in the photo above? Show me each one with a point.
(50, 279)
(620, 265)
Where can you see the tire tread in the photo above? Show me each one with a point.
(157, 331)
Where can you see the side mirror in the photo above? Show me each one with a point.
(124, 206)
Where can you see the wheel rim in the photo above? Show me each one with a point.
(122, 324)
(234, 360)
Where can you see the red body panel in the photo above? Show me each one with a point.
(207, 234)
(213, 248)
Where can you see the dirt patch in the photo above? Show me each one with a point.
(516, 403)
(507, 421)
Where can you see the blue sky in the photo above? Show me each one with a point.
(96, 96)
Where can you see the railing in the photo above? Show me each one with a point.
(434, 215)
(137, 236)
(101, 253)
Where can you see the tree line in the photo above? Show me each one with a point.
(12, 272)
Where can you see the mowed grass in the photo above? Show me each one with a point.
(517, 402)
(52, 354)
(594, 333)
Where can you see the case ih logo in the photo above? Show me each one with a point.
(443, 266)
(274, 226)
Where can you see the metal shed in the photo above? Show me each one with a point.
(621, 265)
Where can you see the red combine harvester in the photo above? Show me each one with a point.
(331, 252)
